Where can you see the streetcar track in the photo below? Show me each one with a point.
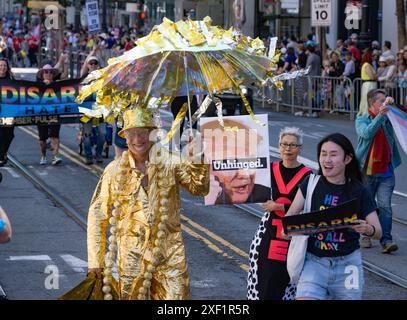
(246, 208)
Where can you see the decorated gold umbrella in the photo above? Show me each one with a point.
(179, 59)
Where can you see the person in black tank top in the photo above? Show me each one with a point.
(268, 277)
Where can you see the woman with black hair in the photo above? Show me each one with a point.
(6, 132)
(49, 74)
(333, 262)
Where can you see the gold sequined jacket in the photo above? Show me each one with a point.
(145, 224)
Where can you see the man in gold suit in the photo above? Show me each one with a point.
(138, 196)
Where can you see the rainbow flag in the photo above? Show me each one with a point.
(398, 119)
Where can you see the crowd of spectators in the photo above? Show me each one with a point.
(21, 43)
(338, 67)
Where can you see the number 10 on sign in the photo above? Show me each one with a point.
(321, 13)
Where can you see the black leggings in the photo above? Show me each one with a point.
(6, 136)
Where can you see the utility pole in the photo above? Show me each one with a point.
(278, 21)
(401, 23)
(104, 15)
(365, 36)
(77, 15)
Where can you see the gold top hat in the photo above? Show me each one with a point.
(137, 118)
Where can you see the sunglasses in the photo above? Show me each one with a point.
(95, 63)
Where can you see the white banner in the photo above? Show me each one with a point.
(92, 11)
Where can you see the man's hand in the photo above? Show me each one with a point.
(270, 206)
(384, 107)
(214, 191)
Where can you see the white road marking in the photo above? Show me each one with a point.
(75, 263)
(11, 171)
(203, 284)
(2, 293)
(400, 193)
(30, 258)
(70, 168)
(39, 172)
(193, 202)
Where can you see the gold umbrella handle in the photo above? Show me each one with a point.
(189, 100)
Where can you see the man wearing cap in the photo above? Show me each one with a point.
(92, 64)
(138, 195)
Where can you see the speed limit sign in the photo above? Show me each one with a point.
(321, 13)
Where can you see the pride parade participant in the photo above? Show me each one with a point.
(333, 257)
(268, 278)
(49, 74)
(139, 196)
(379, 156)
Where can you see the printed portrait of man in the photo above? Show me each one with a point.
(239, 173)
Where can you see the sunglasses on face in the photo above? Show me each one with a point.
(95, 63)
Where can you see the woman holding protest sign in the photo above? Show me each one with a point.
(268, 278)
(6, 132)
(333, 263)
(49, 74)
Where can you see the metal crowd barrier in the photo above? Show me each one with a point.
(75, 60)
(328, 94)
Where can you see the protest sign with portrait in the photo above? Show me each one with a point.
(239, 160)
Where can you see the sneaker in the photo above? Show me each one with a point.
(56, 160)
(89, 161)
(43, 161)
(99, 159)
(365, 242)
(389, 247)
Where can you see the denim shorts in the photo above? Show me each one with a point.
(336, 278)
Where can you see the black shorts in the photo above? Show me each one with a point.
(46, 131)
